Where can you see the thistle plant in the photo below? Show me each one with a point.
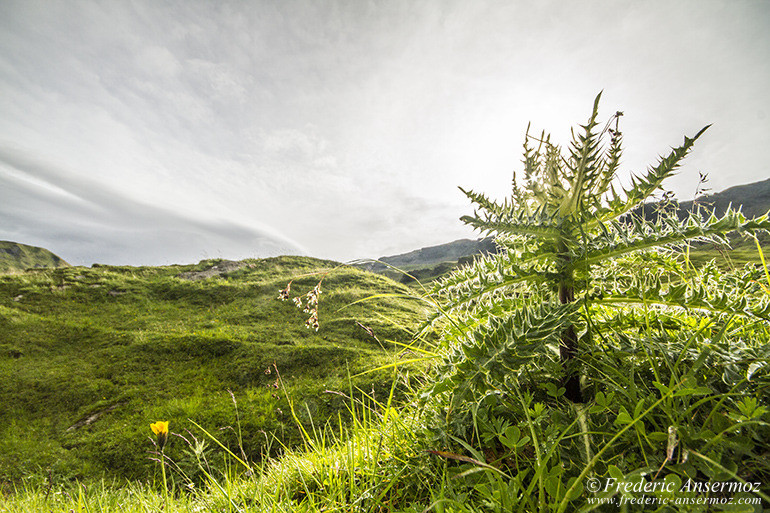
(575, 262)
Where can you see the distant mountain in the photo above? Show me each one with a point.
(430, 262)
(434, 255)
(18, 257)
(753, 198)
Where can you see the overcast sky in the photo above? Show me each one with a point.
(168, 132)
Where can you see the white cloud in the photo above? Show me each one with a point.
(69, 210)
(295, 145)
(157, 62)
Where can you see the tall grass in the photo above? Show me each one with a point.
(372, 461)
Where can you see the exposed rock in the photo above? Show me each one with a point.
(225, 266)
(92, 418)
(13, 251)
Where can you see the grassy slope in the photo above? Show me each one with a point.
(740, 253)
(135, 345)
(18, 257)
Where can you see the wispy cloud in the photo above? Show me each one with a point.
(70, 211)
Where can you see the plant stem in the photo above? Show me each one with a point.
(762, 258)
(568, 350)
(163, 472)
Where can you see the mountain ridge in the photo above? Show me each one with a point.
(753, 198)
(432, 255)
(15, 256)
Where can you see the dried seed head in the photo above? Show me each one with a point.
(283, 295)
(312, 321)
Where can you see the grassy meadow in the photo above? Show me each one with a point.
(91, 356)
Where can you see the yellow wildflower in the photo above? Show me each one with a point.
(160, 429)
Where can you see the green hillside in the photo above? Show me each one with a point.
(427, 264)
(91, 356)
(18, 257)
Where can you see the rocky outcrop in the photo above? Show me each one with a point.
(223, 267)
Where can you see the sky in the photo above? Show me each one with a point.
(153, 133)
